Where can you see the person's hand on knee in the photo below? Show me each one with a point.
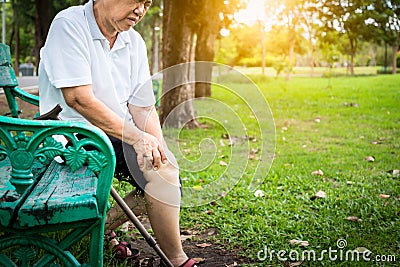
(150, 153)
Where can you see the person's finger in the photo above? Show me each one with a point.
(148, 161)
(156, 159)
(140, 161)
(162, 154)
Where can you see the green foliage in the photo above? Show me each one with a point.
(386, 17)
(21, 20)
(279, 66)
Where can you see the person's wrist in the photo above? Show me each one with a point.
(132, 135)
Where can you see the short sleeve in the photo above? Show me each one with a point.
(65, 55)
(142, 94)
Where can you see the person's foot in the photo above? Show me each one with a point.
(188, 263)
(122, 250)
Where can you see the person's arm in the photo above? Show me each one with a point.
(82, 99)
(148, 148)
(146, 119)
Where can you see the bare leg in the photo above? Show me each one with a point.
(116, 216)
(162, 194)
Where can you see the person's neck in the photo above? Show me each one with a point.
(106, 29)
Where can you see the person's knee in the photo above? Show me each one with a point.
(166, 174)
(164, 184)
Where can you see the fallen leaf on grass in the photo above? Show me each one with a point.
(125, 227)
(252, 154)
(223, 163)
(361, 250)
(354, 105)
(319, 194)
(353, 219)
(259, 193)
(301, 243)
(199, 260)
(203, 245)
(225, 136)
(235, 140)
(318, 172)
(384, 196)
(293, 264)
(394, 172)
(252, 138)
(197, 187)
(185, 237)
(211, 232)
(370, 159)
(188, 232)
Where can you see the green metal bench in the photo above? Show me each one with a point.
(46, 205)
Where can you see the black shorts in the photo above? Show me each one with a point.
(127, 169)
(131, 172)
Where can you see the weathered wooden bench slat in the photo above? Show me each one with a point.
(60, 196)
(9, 198)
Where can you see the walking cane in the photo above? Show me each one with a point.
(132, 217)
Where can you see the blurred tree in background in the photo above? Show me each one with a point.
(282, 35)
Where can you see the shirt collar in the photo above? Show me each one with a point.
(93, 27)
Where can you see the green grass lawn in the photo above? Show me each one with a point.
(321, 124)
(317, 72)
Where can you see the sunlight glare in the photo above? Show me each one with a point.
(254, 12)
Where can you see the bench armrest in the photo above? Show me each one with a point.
(25, 96)
(25, 141)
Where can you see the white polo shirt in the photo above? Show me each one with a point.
(77, 53)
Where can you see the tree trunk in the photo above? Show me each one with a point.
(15, 34)
(263, 53)
(353, 49)
(16, 51)
(386, 57)
(395, 49)
(352, 64)
(207, 34)
(312, 58)
(42, 24)
(291, 56)
(154, 51)
(205, 51)
(177, 108)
